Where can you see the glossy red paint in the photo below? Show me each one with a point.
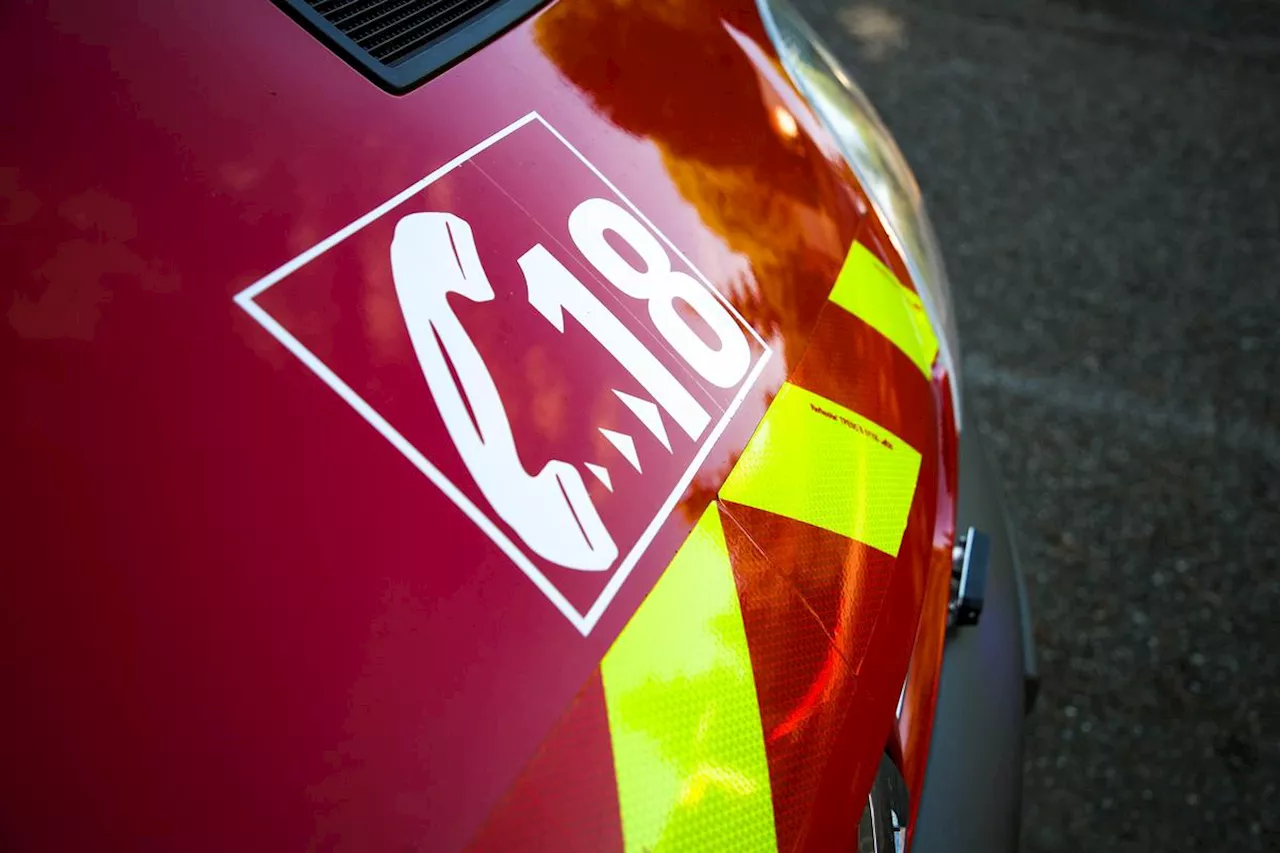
(237, 617)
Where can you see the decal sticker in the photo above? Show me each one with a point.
(684, 715)
(869, 290)
(529, 341)
(835, 470)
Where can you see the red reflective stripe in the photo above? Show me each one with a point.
(804, 685)
(836, 576)
(852, 364)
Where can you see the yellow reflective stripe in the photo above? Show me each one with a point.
(817, 462)
(870, 291)
(688, 745)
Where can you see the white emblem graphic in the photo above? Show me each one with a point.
(432, 255)
(549, 514)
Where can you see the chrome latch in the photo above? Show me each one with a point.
(971, 561)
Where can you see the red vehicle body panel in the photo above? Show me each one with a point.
(236, 617)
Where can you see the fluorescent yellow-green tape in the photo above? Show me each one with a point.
(867, 289)
(817, 462)
(683, 715)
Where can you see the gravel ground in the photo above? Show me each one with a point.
(1104, 179)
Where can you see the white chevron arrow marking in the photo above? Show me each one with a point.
(648, 414)
(602, 474)
(625, 445)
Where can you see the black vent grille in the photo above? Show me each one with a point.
(390, 30)
(399, 43)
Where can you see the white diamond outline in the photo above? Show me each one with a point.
(583, 622)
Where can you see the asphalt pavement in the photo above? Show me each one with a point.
(1104, 176)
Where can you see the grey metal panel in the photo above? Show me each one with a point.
(973, 786)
